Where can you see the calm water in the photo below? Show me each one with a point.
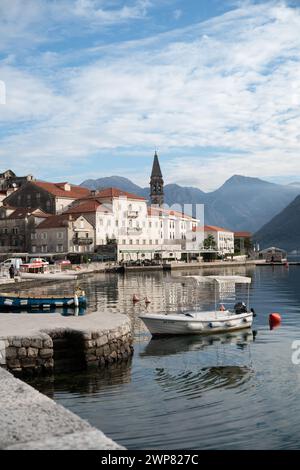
(238, 391)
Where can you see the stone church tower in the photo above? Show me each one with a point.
(156, 184)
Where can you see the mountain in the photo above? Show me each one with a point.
(241, 203)
(283, 230)
(113, 182)
(245, 203)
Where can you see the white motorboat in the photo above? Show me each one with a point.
(203, 322)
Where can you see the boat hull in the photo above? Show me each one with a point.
(183, 325)
(15, 303)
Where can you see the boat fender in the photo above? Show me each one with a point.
(135, 298)
(253, 312)
(76, 301)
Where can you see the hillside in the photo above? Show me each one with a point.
(283, 230)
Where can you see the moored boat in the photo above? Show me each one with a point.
(15, 302)
(196, 322)
(202, 322)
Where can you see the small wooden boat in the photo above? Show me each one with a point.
(15, 302)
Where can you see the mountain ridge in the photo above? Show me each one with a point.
(240, 203)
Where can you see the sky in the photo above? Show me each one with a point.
(90, 88)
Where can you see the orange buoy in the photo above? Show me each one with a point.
(147, 300)
(135, 298)
(274, 320)
(222, 308)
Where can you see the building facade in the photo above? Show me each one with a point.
(52, 198)
(16, 226)
(9, 180)
(64, 233)
(223, 238)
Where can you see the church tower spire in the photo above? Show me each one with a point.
(156, 183)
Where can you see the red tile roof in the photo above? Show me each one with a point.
(215, 228)
(56, 221)
(87, 205)
(21, 213)
(57, 189)
(110, 193)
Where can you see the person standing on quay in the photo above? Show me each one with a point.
(12, 271)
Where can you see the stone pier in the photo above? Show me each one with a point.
(41, 343)
(32, 421)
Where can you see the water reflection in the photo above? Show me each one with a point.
(190, 384)
(85, 383)
(180, 344)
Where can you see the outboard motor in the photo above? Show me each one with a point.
(240, 307)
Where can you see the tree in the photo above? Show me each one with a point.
(209, 242)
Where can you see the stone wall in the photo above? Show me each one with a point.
(65, 349)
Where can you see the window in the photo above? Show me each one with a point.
(33, 236)
(60, 235)
(101, 222)
(44, 236)
(124, 242)
(156, 242)
(33, 249)
(60, 248)
(138, 242)
(144, 242)
(130, 242)
(150, 242)
(44, 248)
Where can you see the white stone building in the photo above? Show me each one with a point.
(139, 231)
(224, 238)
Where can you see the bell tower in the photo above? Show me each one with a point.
(156, 183)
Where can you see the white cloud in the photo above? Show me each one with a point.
(229, 83)
(177, 14)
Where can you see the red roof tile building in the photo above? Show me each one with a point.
(52, 198)
(64, 233)
(17, 226)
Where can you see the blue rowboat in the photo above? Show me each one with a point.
(15, 302)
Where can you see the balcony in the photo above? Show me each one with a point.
(82, 241)
(132, 214)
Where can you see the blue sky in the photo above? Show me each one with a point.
(94, 86)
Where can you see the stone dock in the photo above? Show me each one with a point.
(32, 421)
(41, 343)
